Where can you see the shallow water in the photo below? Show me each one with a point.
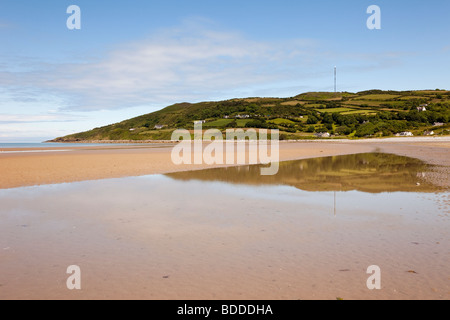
(227, 234)
(367, 172)
(44, 145)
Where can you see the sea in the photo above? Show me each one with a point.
(55, 145)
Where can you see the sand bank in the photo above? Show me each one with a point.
(91, 163)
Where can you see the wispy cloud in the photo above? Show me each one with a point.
(188, 63)
(181, 64)
(21, 118)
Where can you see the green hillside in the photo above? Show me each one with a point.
(372, 113)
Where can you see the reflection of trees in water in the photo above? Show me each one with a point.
(369, 172)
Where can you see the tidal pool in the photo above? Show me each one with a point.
(367, 172)
(309, 232)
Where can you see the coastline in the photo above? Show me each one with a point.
(22, 167)
(112, 141)
(392, 139)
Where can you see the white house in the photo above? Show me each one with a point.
(322, 135)
(200, 122)
(159, 127)
(422, 108)
(428, 133)
(405, 134)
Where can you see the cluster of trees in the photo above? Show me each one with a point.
(255, 110)
(260, 123)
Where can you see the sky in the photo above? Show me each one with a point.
(134, 57)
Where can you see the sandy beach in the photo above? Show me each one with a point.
(155, 237)
(28, 167)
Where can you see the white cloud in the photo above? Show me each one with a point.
(183, 64)
(189, 63)
(21, 118)
(38, 131)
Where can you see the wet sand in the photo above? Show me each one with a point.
(92, 163)
(156, 238)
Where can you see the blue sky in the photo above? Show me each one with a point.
(135, 57)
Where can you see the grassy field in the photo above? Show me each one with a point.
(218, 123)
(242, 122)
(313, 96)
(431, 92)
(412, 97)
(378, 97)
(370, 103)
(359, 112)
(335, 110)
(280, 121)
(292, 103)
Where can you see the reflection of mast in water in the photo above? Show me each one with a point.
(335, 203)
(335, 197)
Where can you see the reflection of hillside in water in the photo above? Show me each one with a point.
(368, 172)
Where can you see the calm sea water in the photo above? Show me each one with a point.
(55, 145)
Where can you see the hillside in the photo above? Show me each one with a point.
(363, 114)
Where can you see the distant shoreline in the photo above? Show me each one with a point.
(391, 139)
(20, 169)
(112, 141)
